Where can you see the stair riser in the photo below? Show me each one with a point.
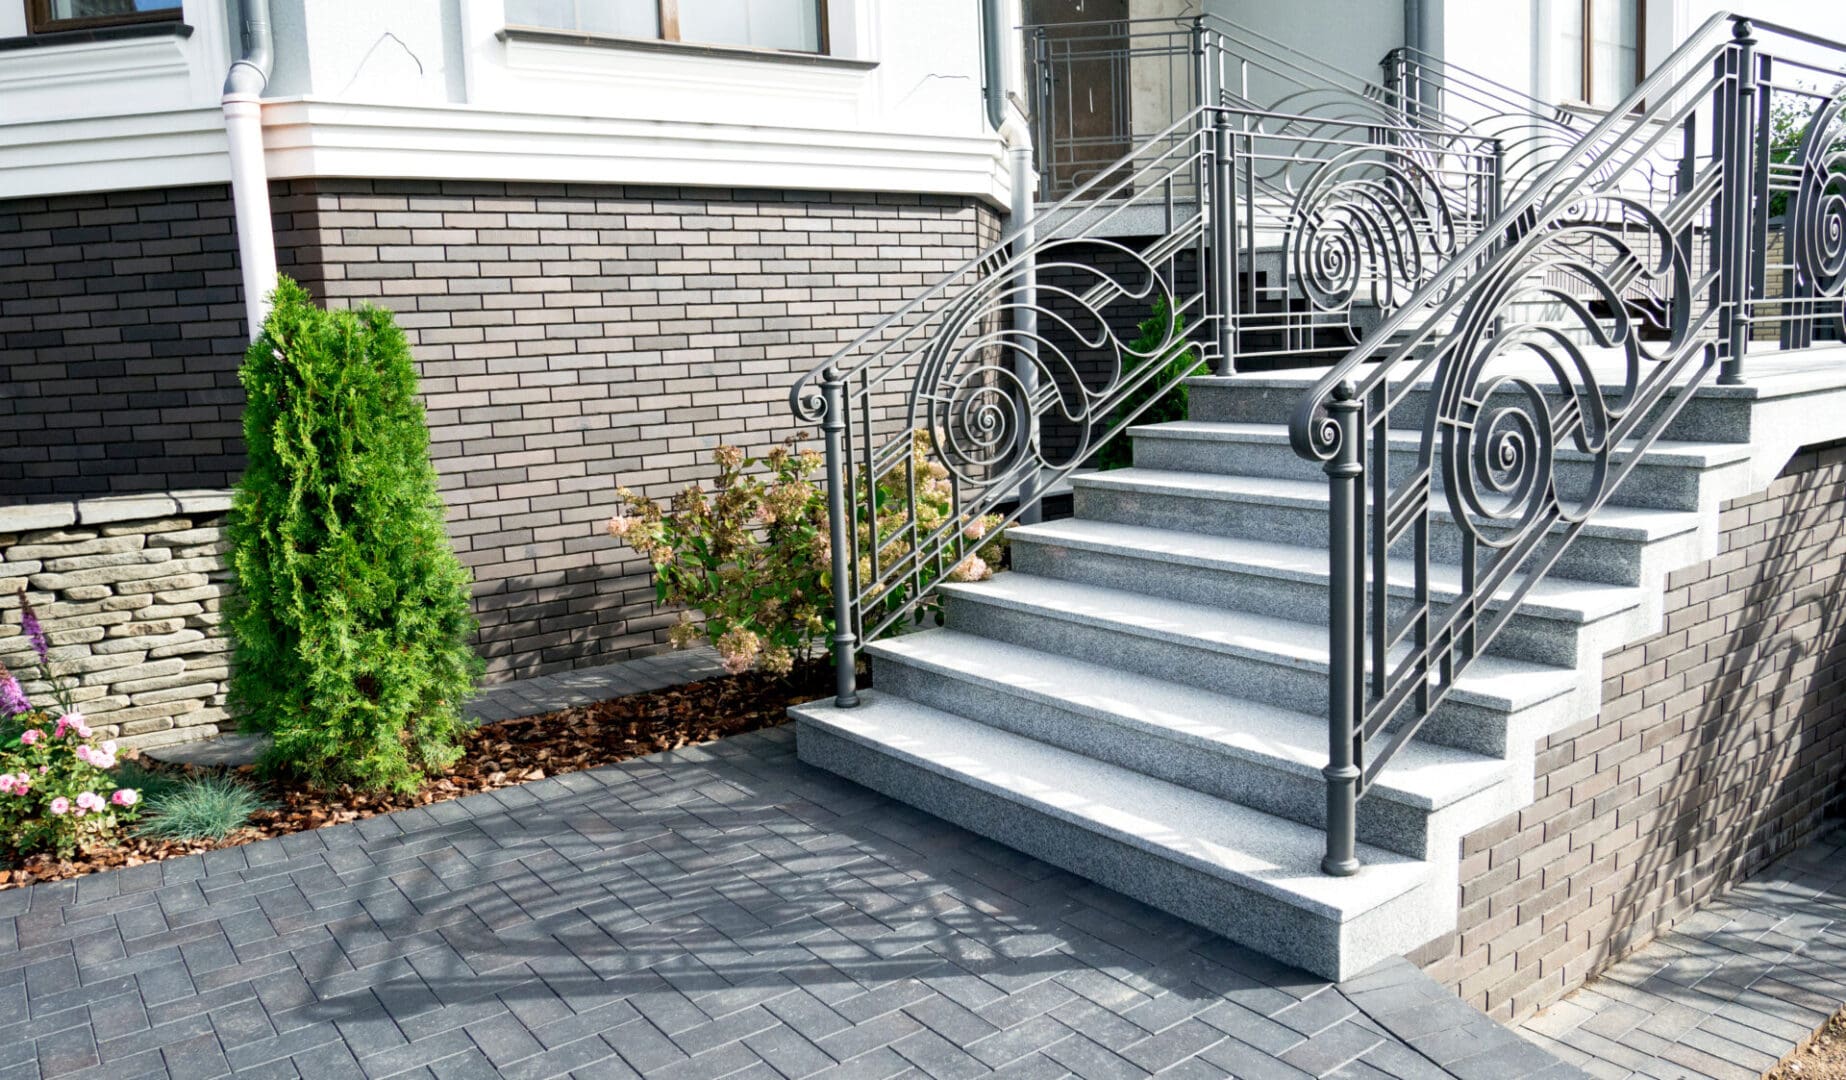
(1705, 419)
(1296, 795)
(1650, 486)
(1291, 934)
(1301, 688)
(1527, 637)
(1603, 559)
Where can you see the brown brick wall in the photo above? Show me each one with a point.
(121, 329)
(576, 338)
(1719, 747)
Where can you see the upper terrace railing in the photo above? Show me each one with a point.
(1469, 429)
(1275, 231)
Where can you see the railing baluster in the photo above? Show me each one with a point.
(1736, 115)
(1224, 266)
(839, 490)
(1346, 494)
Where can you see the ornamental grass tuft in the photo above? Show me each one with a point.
(351, 620)
(199, 808)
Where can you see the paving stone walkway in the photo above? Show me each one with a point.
(715, 911)
(1725, 993)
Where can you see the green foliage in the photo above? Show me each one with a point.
(350, 622)
(754, 555)
(1789, 115)
(1178, 361)
(750, 555)
(208, 807)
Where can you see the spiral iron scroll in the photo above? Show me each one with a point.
(1373, 219)
(1496, 421)
(968, 392)
(1817, 214)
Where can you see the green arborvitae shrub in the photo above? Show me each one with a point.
(351, 618)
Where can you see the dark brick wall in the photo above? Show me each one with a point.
(121, 328)
(575, 338)
(1721, 742)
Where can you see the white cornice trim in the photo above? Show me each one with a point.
(309, 138)
(306, 137)
(110, 153)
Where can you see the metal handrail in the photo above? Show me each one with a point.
(1500, 393)
(998, 361)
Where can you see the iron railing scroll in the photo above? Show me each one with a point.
(1498, 409)
(1261, 231)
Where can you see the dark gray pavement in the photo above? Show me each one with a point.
(1728, 990)
(715, 911)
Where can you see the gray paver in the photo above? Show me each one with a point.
(1728, 990)
(716, 910)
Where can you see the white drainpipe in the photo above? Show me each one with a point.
(243, 128)
(1017, 136)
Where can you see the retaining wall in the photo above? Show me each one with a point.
(128, 589)
(1721, 745)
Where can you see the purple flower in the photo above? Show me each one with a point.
(12, 698)
(35, 633)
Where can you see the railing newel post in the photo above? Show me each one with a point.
(1345, 474)
(1736, 118)
(839, 528)
(1224, 266)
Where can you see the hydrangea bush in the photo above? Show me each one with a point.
(754, 554)
(56, 791)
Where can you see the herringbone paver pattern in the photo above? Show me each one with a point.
(717, 911)
(1728, 991)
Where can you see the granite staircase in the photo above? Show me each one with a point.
(1142, 699)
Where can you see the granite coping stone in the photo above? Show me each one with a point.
(109, 509)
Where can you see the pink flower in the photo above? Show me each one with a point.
(109, 747)
(72, 721)
(83, 753)
(975, 529)
(89, 800)
(31, 735)
(125, 797)
(6, 783)
(60, 806)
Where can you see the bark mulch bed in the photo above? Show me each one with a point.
(1821, 1057)
(496, 755)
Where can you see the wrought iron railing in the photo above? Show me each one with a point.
(1648, 290)
(1255, 230)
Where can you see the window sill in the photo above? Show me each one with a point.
(88, 35)
(542, 35)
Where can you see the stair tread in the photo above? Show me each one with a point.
(1625, 522)
(1490, 680)
(1422, 774)
(1237, 844)
(1554, 596)
(1663, 451)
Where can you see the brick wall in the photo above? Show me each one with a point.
(1721, 742)
(121, 328)
(575, 338)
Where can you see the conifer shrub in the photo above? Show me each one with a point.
(351, 618)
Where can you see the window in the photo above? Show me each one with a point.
(788, 25)
(48, 15)
(1603, 66)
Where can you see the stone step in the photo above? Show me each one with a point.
(1559, 622)
(1234, 870)
(1272, 661)
(1714, 415)
(1253, 754)
(1667, 477)
(1619, 546)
